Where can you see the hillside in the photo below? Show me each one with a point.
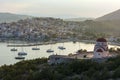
(113, 16)
(38, 69)
(111, 20)
(46, 29)
(9, 17)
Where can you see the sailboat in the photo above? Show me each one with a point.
(50, 50)
(22, 52)
(35, 48)
(61, 47)
(14, 49)
(21, 55)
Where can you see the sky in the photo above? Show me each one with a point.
(60, 8)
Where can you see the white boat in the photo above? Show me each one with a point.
(22, 53)
(35, 48)
(74, 41)
(19, 57)
(13, 49)
(61, 38)
(61, 47)
(50, 50)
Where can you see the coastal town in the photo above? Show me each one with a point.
(36, 29)
(50, 29)
(45, 31)
(59, 40)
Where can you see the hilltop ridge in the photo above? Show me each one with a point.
(10, 17)
(110, 16)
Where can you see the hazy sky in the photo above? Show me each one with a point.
(60, 8)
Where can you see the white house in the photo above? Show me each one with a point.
(57, 59)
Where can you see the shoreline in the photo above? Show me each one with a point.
(26, 44)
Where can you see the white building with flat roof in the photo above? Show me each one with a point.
(57, 59)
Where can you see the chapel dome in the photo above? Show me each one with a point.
(101, 40)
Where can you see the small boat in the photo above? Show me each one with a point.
(35, 48)
(74, 41)
(61, 47)
(22, 53)
(50, 50)
(19, 57)
(13, 49)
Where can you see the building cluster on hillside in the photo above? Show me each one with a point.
(20, 31)
(44, 29)
(37, 28)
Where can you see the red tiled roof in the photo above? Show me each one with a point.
(101, 40)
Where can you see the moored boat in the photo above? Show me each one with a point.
(35, 48)
(13, 49)
(22, 53)
(61, 47)
(50, 50)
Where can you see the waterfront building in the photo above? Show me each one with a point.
(57, 59)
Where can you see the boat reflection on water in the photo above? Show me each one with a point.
(19, 57)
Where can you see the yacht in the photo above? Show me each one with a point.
(22, 53)
(61, 47)
(13, 49)
(61, 39)
(50, 50)
(36, 48)
(74, 41)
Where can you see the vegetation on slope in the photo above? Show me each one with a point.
(77, 70)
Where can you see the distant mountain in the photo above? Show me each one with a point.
(110, 17)
(78, 19)
(111, 20)
(9, 17)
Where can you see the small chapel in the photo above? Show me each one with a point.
(101, 48)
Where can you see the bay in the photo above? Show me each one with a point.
(8, 57)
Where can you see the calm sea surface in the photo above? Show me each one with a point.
(8, 57)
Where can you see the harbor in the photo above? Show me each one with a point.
(8, 57)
